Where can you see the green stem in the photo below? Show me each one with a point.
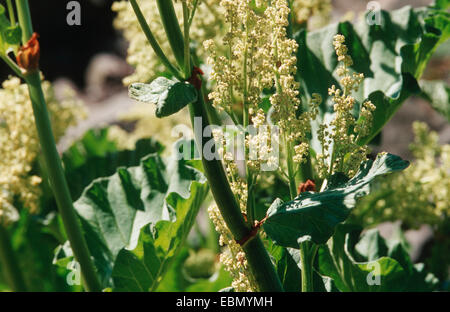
(290, 28)
(194, 9)
(306, 264)
(212, 113)
(305, 258)
(170, 22)
(24, 15)
(187, 52)
(12, 65)
(291, 170)
(59, 183)
(306, 254)
(53, 163)
(257, 256)
(306, 172)
(153, 42)
(12, 17)
(10, 264)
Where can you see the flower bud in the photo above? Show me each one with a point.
(308, 186)
(28, 55)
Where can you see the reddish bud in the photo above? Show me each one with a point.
(29, 54)
(195, 80)
(308, 186)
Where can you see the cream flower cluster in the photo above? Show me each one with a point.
(316, 12)
(244, 71)
(140, 53)
(19, 144)
(227, 151)
(260, 56)
(209, 23)
(417, 195)
(233, 257)
(346, 154)
(285, 102)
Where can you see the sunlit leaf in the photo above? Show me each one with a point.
(315, 215)
(170, 96)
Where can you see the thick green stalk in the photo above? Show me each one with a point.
(306, 264)
(9, 262)
(53, 163)
(212, 113)
(257, 256)
(306, 258)
(173, 30)
(23, 13)
(59, 183)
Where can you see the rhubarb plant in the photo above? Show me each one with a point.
(284, 109)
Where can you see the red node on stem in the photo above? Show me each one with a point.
(29, 54)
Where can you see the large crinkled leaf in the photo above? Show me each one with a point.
(159, 197)
(170, 96)
(389, 271)
(372, 245)
(286, 266)
(141, 267)
(392, 56)
(438, 94)
(95, 156)
(315, 215)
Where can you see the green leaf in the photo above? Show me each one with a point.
(169, 96)
(392, 56)
(178, 280)
(10, 35)
(315, 215)
(385, 273)
(95, 156)
(141, 268)
(217, 282)
(287, 268)
(150, 207)
(442, 4)
(372, 246)
(36, 263)
(438, 94)
(287, 264)
(390, 273)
